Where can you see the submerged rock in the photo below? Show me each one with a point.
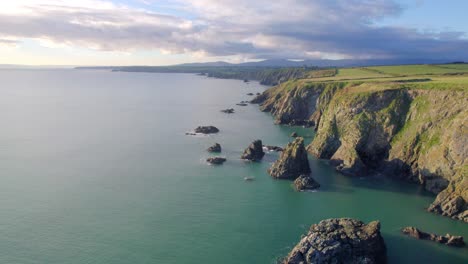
(272, 148)
(449, 240)
(305, 182)
(216, 160)
(292, 163)
(215, 148)
(254, 152)
(242, 104)
(206, 129)
(294, 134)
(228, 111)
(250, 94)
(341, 240)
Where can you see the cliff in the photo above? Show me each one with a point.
(412, 131)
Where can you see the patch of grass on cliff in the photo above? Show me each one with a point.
(409, 130)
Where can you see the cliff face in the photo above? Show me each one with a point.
(410, 132)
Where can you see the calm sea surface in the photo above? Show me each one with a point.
(95, 167)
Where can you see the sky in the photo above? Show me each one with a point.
(165, 32)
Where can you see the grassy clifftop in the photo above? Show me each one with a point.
(412, 127)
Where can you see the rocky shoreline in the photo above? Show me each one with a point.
(417, 135)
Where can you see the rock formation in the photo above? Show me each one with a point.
(206, 129)
(216, 160)
(254, 152)
(292, 163)
(305, 182)
(342, 240)
(215, 148)
(449, 240)
(293, 134)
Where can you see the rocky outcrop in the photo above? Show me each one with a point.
(206, 130)
(342, 240)
(216, 160)
(254, 152)
(449, 240)
(305, 182)
(293, 134)
(215, 148)
(452, 201)
(292, 163)
(413, 132)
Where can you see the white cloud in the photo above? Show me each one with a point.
(233, 28)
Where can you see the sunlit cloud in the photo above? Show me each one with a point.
(240, 29)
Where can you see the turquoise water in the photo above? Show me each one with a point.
(95, 167)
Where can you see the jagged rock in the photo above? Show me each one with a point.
(305, 182)
(449, 240)
(228, 111)
(293, 134)
(272, 148)
(216, 160)
(215, 148)
(206, 129)
(292, 163)
(452, 202)
(254, 152)
(341, 240)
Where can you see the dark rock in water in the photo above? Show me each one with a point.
(254, 152)
(341, 240)
(216, 160)
(294, 134)
(455, 241)
(190, 134)
(258, 94)
(292, 163)
(246, 81)
(272, 148)
(228, 111)
(206, 130)
(305, 182)
(242, 104)
(250, 94)
(215, 148)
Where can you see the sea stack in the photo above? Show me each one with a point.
(340, 240)
(292, 163)
(254, 152)
(305, 182)
(215, 148)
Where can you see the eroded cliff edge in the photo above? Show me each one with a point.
(412, 131)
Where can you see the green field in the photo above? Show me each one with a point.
(445, 76)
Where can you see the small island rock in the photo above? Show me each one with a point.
(206, 129)
(292, 163)
(305, 182)
(449, 240)
(215, 148)
(341, 240)
(254, 152)
(216, 160)
(294, 134)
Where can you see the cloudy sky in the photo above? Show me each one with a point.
(161, 32)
